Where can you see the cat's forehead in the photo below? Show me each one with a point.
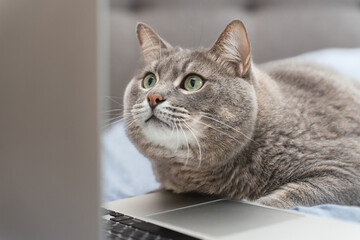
(181, 61)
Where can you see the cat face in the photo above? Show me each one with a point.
(191, 106)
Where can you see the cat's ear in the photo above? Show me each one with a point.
(233, 47)
(151, 43)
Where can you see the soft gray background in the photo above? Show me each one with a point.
(276, 28)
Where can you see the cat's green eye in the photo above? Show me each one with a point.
(149, 80)
(193, 83)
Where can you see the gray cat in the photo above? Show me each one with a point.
(282, 134)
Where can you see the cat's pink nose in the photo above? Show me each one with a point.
(154, 99)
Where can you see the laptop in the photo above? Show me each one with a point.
(53, 71)
(194, 216)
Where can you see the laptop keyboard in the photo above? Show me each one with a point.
(119, 226)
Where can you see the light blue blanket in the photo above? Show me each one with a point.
(346, 213)
(126, 172)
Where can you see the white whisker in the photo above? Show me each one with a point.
(113, 110)
(228, 127)
(177, 137)
(189, 127)
(218, 130)
(122, 116)
(128, 125)
(187, 144)
(115, 101)
(172, 129)
(112, 123)
(114, 118)
(113, 97)
(138, 110)
(126, 113)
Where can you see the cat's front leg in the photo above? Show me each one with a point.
(273, 200)
(312, 192)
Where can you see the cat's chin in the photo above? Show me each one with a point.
(159, 133)
(153, 121)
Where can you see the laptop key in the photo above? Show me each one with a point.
(115, 214)
(126, 227)
(127, 232)
(131, 222)
(107, 227)
(138, 234)
(120, 218)
(116, 237)
(162, 238)
(108, 223)
(149, 237)
(105, 211)
(157, 230)
(121, 229)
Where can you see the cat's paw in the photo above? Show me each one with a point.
(274, 202)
